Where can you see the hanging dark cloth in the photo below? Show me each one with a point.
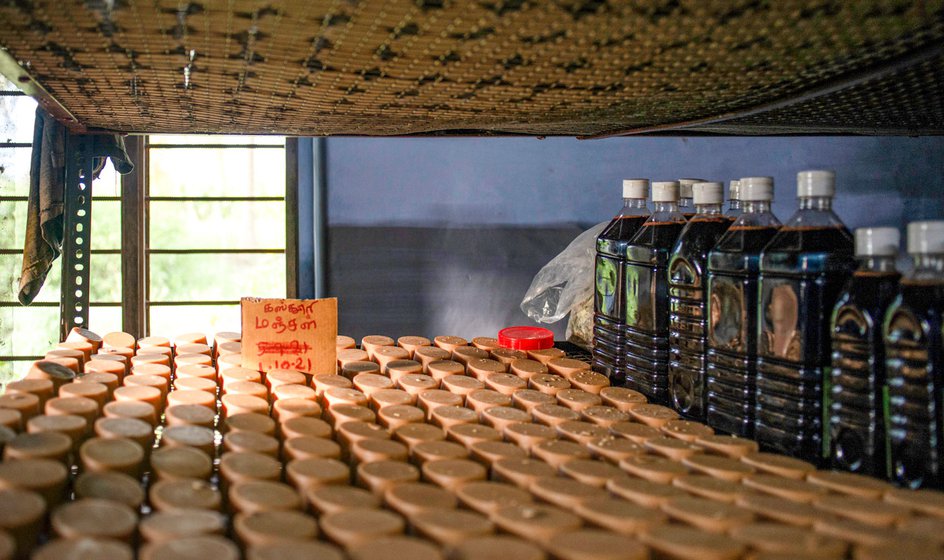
(44, 219)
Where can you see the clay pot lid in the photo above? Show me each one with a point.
(395, 548)
(775, 537)
(578, 399)
(687, 430)
(622, 398)
(433, 398)
(349, 355)
(850, 483)
(449, 343)
(440, 369)
(170, 525)
(546, 355)
(236, 374)
(526, 369)
(351, 432)
(192, 358)
(452, 473)
(450, 527)
(865, 510)
(643, 492)
(505, 383)
(196, 371)
(141, 393)
(386, 354)
(593, 472)
(114, 454)
(780, 465)
(924, 528)
(779, 509)
(411, 498)
(116, 486)
(482, 368)
(416, 383)
(263, 495)
(337, 396)
(486, 497)
(898, 550)
(653, 415)
(253, 388)
(621, 516)
(718, 467)
(378, 476)
(482, 399)
(130, 428)
(92, 517)
(929, 502)
(564, 492)
(25, 403)
(678, 541)
(6, 433)
(236, 467)
(341, 414)
(249, 422)
(172, 495)
(377, 340)
(83, 549)
(383, 398)
(427, 354)
(508, 355)
(553, 414)
(305, 426)
(589, 381)
(33, 474)
(634, 431)
(854, 532)
(535, 522)
(192, 405)
(20, 508)
(131, 409)
(284, 409)
(42, 445)
(500, 417)
(309, 447)
(411, 434)
(521, 471)
(729, 446)
(193, 396)
(488, 452)
(437, 450)
(528, 399)
(468, 434)
(653, 468)
(411, 343)
(580, 432)
(276, 377)
(368, 383)
(566, 367)
(304, 550)
(371, 449)
(548, 383)
(704, 486)
(614, 449)
(397, 415)
(353, 527)
(269, 527)
(191, 548)
(595, 544)
(604, 416)
(485, 343)
(352, 369)
(342, 342)
(557, 452)
(118, 340)
(68, 424)
(237, 404)
(192, 436)
(496, 547)
(788, 488)
(462, 384)
(51, 370)
(332, 498)
(171, 463)
(251, 441)
(672, 448)
(317, 472)
(526, 435)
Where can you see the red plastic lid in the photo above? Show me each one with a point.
(525, 338)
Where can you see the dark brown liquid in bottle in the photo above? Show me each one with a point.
(733, 268)
(609, 340)
(915, 368)
(688, 326)
(802, 274)
(647, 309)
(856, 410)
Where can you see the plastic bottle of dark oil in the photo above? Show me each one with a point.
(802, 272)
(733, 268)
(857, 391)
(688, 282)
(646, 293)
(609, 339)
(914, 353)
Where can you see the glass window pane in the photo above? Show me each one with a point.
(103, 320)
(11, 266)
(13, 370)
(14, 171)
(16, 118)
(105, 278)
(217, 225)
(173, 320)
(214, 139)
(12, 225)
(108, 182)
(216, 277)
(217, 172)
(106, 224)
(28, 331)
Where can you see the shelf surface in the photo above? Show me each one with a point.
(401, 67)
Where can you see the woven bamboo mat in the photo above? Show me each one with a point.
(559, 67)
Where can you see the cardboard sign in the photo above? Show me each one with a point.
(297, 334)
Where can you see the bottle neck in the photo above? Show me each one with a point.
(755, 206)
(634, 203)
(816, 203)
(876, 263)
(734, 204)
(686, 203)
(665, 206)
(710, 209)
(928, 266)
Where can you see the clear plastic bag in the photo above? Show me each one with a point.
(565, 284)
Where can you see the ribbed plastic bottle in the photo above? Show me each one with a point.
(734, 199)
(857, 392)
(686, 201)
(733, 268)
(914, 352)
(609, 338)
(646, 288)
(688, 282)
(802, 272)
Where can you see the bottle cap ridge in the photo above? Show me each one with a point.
(879, 241)
(816, 183)
(757, 189)
(926, 237)
(708, 193)
(635, 188)
(665, 191)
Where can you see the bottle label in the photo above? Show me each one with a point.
(780, 319)
(727, 312)
(607, 287)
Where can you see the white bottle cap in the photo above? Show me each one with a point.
(635, 188)
(926, 237)
(816, 183)
(708, 193)
(757, 188)
(734, 190)
(665, 191)
(879, 241)
(685, 187)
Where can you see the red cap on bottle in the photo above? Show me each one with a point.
(525, 338)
